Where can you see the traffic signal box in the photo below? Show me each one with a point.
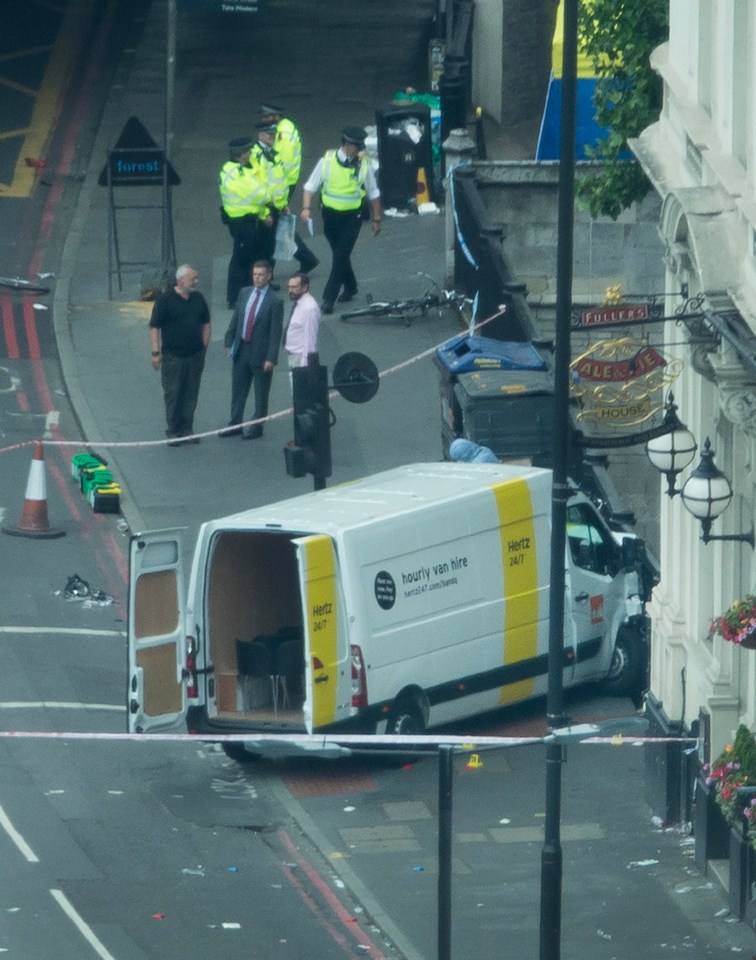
(311, 450)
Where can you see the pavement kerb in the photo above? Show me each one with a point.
(340, 866)
(62, 296)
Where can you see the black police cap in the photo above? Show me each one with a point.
(240, 144)
(265, 125)
(354, 135)
(268, 109)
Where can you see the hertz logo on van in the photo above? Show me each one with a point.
(516, 546)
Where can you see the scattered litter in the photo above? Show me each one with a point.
(35, 163)
(357, 909)
(687, 889)
(76, 588)
(688, 842)
(231, 926)
(277, 886)
(722, 913)
(428, 207)
(393, 212)
(339, 884)
(641, 863)
(363, 946)
(51, 793)
(47, 276)
(408, 766)
(116, 793)
(349, 809)
(352, 920)
(158, 916)
(13, 909)
(657, 822)
(40, 306)
(123, 526)
(504, 821)
(232, 869)
(418, 869)
(189, 872)
(98, 599)
(291, 866)
(603, 935)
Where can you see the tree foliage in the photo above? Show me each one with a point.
(619, 36)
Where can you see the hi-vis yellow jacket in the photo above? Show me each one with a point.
(288, 146)
(343, 188)
(272, 173)
(243, 191)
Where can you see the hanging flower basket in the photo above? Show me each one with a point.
(738, 624)
(735, 767)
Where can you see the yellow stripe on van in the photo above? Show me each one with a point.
(520, 588)
(322, 627)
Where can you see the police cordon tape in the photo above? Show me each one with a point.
(113, 444)
(583, 733)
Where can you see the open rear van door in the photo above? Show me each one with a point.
(156, 695)
(328, 679)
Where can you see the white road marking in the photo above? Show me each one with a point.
(57, 705)
(84, 929)
(65, 631)
(15, 836)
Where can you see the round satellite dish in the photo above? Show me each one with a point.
(355, 376)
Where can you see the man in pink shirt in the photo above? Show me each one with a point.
(302, 331)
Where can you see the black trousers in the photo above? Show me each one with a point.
(243, 376)
(181, 378)
(245, 234)
(341, 228)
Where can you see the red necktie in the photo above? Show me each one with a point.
(250, 321)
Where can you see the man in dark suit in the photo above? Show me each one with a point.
(253, 339)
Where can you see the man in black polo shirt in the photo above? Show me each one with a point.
(179, 335)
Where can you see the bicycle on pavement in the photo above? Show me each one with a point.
(412, 308)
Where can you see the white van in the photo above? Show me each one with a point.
(404, 600)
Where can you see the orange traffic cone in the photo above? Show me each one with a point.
(34, 522)
(422, 195)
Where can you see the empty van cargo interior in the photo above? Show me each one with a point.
(254, 629)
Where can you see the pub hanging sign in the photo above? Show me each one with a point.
(619, 385)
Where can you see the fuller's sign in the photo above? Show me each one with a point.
(616, 313)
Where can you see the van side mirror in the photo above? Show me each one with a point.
(632, 552)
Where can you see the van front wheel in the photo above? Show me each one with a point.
(628, 668)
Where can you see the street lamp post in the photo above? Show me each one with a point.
(551, 855)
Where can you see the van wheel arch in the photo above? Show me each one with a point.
(627, 672)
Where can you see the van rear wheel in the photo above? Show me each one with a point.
(236, 751)
(406, 720)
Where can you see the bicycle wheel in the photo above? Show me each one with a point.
(16, 283)
(372, 312)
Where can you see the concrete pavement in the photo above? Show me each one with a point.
(330, 67)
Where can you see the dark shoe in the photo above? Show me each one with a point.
(307, 262)
(326, 307)
(232, 430)
(346, 296)
(254, 433)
